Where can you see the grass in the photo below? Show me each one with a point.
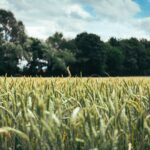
(75, 113)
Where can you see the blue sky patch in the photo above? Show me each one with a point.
(145, 8)
(89, 9)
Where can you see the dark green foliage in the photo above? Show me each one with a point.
(58, 61)
(90, 54)
(10, 54)
(115, 59)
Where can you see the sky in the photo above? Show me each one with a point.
(107, 18)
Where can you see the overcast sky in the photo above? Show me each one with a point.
(107, 18)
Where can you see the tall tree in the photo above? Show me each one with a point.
(35, 54)
(10, 29)
(115, 60)
(12, 36)
(58, 61)
(90, 54)
(131, 49)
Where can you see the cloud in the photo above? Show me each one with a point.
(43, 18)
(114, 10)
(77, 11)
(116, 29)
(143, 24)
(104, 17)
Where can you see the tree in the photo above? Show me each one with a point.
(131, 49)
(115, 59)
(69, 45)
(113, 42)
(35, 55)
(90, 54)
(55, 40)
(12, 37)
(11, 29)
(144, 57)
(10, 54)
(58, 61)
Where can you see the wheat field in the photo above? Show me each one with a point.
(75, 113)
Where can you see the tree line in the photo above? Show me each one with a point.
(85, 55)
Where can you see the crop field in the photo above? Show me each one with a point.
(75, 113)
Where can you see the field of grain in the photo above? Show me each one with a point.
(75, 113)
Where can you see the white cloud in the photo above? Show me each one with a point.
(117, 29)
(76, 10)
(110, 18)
(114, 9)
(143, 24)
